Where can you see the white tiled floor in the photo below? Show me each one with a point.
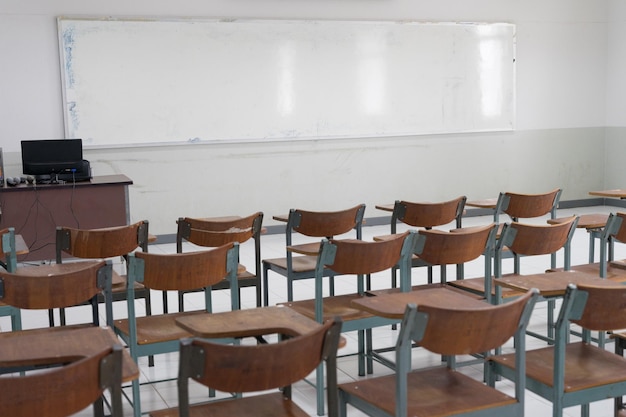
(164, 394)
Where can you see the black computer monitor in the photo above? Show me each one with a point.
(51, 156)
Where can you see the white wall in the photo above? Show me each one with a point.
(615, 169)
(563, 106)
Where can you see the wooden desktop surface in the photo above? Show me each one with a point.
(248, 323)
(552, 284)
(585, 221)
(615, 193)
(393, 305)
(60, 344)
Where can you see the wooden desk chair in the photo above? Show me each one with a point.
(65, 390)
(101, 244)
(427, 215)
(10, 265)
(312, 224)
(150, 335)
(526, 206)
(216, 232)
(523, 239)
(360, 258)
(265, 366)
(443, 391)
(576, 373)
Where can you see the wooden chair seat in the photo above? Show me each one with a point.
(339, 305)
(299, 263)
(586, 366)
(270, 405)
(157, 328)
(437, 392)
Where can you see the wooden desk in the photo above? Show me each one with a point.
(392, 305)
(615, 193)
(552, 284)
(248, 323)
(59, 344)
(36, 210)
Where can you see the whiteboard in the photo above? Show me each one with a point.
(146, 81)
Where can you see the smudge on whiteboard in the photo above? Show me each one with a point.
(68, 45)
(74, 116)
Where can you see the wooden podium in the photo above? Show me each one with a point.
(35, 210)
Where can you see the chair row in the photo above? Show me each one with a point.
(567, 373)
(173, 272)
(240, 230)
(212, 232)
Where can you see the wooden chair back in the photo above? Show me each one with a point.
(101, 243)
(428, 215)
(482, 329)
(529, 239)
(213, 233)
(455, 247)
(249, 368)
(525, 206)
(327, 223)
(184, 271)
(64, 390)
(605, 308)
(61, 286)
(353, 256)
